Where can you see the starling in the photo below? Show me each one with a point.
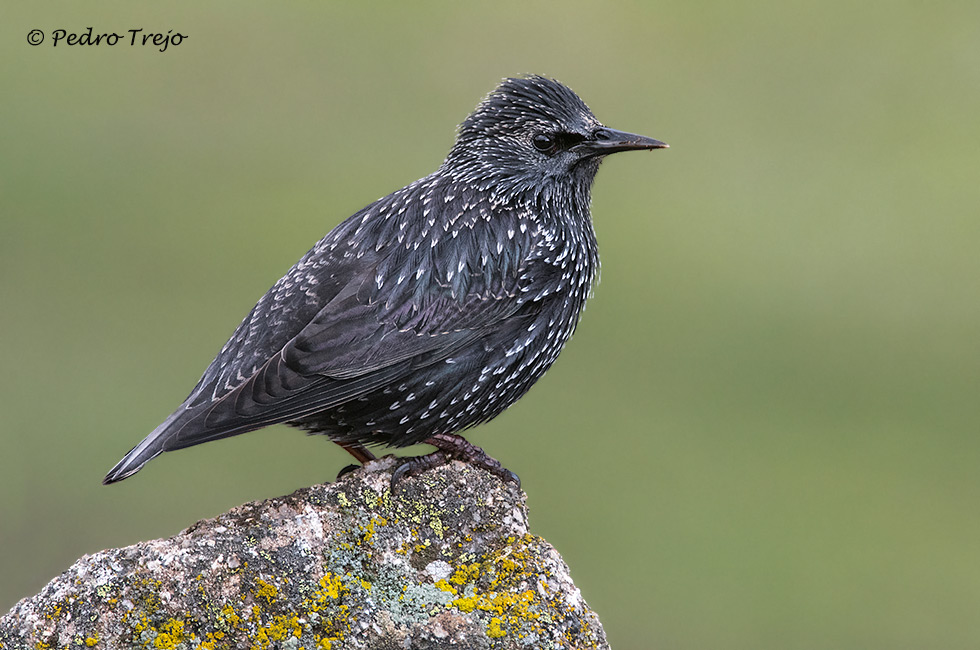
(432, 309)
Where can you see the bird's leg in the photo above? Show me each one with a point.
(358, 451)
(452, 446)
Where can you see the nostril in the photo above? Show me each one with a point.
(602, 134)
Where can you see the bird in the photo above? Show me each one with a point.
(432, 309)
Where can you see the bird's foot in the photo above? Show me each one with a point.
(452, 446)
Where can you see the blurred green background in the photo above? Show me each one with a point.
(765, 432)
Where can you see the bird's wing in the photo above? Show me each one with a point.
(379, 327)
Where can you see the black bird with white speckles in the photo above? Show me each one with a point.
(431, 310)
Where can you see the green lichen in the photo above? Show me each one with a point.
(436, 525)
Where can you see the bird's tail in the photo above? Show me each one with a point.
(151, 447)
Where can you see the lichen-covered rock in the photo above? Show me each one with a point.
(445, 562)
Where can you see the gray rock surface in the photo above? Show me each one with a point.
(445, 562)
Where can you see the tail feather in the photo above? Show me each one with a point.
(184, 428)
(151, 447)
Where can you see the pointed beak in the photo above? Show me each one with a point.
(606, 141)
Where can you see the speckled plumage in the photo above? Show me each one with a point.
(432, 309)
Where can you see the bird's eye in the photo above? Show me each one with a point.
(546, 143)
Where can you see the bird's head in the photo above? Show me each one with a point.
(533, 132)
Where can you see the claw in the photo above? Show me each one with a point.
(508, 476)
(347, 470)
(399, 474)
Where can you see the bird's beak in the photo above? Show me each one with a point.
(606, 141)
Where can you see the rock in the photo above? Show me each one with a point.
(445, 562)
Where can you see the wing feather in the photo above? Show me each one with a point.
(383, 314)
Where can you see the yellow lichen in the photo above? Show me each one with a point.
(369, 529)
(229, 615)
(465, 573)
(171, 635)
(467, 604)
(265, 590)
(332, 585)
(279, 628)
(494, 585)
(445, 586)
(92, 640)
(493, 630)
(141, 625)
